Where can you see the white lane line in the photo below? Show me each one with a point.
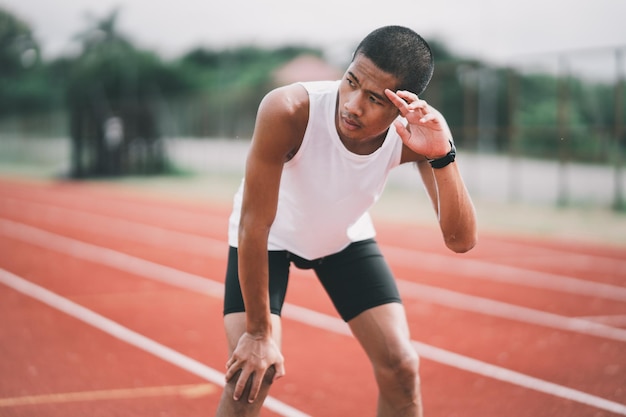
(458, 266)
(205, 286)
(486, 306)
(194, 282)
(185, 391)
(218, 221)
(618, 320)
(575, 259)
(455, 360)
(115, 227)
(472, 268)
(517, 378)
(131, 337)
(109, 257)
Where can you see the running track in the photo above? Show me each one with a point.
(110, 305)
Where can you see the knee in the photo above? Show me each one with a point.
(230, 407)
(399, 368)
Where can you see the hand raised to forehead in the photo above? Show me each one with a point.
(427, 132)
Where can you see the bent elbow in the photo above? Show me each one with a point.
(461, 245)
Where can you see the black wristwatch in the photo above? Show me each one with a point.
(444, 160)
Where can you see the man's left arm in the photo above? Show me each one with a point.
(452, 203)
(428, 139)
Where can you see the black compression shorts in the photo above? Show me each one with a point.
(356, 279)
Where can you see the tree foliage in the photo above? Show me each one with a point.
(216, 92)
(111, 68)
(113, 92)
(22, 82)
(18, 48)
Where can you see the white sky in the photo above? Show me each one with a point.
(494, 30)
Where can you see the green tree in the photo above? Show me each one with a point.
(22, 83)
(18, 48)
(114, 94)
(229, 85)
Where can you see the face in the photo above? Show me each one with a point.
(364, 112)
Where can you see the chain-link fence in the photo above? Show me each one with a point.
(549, 125)
(567, 108)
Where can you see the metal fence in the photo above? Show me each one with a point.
(562, 134)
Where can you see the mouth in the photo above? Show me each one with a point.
(349, 122)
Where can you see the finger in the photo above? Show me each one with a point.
(230, 361)
(409, 102)
(232, 370)
(428, 118)
(420, 107)
(408, 96)
(280, 370)
(397, 101)
(402, 131)
(254, 389)
(240, 386)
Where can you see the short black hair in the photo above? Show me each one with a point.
(401, 52)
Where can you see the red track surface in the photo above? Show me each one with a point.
(514, 328)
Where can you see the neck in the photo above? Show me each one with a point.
(365, 146)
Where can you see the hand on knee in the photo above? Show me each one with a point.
(245, 396)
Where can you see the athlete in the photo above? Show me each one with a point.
(319, 158)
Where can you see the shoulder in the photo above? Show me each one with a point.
(281, 122)
(289, 104)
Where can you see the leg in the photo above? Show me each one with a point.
(235, 325)
(384, 334)
(363, 290)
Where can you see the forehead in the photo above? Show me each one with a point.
(370, 76)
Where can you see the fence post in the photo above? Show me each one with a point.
(563, 121)
(513, 133)
(618, 196)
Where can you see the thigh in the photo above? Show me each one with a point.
(278, 279)
(357, 279)
(384, 334)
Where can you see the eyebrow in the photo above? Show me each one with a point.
(375, 94)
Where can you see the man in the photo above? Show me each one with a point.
(319, 159)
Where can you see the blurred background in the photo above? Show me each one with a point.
(533, 91)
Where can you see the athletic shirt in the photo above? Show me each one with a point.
(325, 190)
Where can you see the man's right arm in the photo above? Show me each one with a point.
(281, 122)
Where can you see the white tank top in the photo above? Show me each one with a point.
(325, 190)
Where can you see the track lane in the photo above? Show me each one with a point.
(304, 280)
(338, 401)
(605, 264)
(457, 265)
(597, 264)
(61, 367)
(123, 203)
(159, 237)
(419, 291)
(174, 317)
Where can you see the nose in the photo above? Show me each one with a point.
(353, 104)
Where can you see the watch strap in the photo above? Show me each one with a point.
(444, 160)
